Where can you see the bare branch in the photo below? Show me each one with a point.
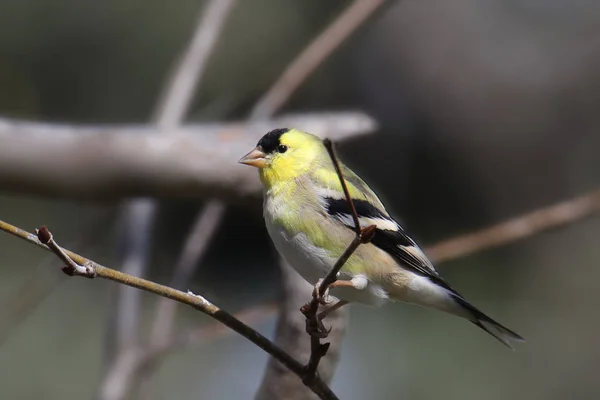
(195, 161)
(195, 247)
(310, 310)
(568, 211)
(41, 281)
(516, 228)
(161, 333)
(196, 301)
(134, 242)
(290, 335)
(304, 64)
(313, 55)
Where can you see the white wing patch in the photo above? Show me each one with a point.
(380, 223)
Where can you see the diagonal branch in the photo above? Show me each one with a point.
(92, 269)
(275, 383)
(363, 235)
(523, 226)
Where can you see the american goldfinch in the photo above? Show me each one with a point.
(310, 223)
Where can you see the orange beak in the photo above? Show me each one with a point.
(256, 158)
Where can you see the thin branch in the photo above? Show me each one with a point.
(313, 55)
(516, 228)
(195, 301)
(554, 216)
(135, 234)
(297, 72)
(197, 242)
(290, 334)
(195, 247)
(41, 281)
(115, 162)
(70, 268)
(205, 333)
(310, 310)
(331, 151)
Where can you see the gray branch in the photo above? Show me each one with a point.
(113, 162)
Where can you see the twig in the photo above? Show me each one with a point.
(313, 55)
(196, 244)
(290, 334)
(363, 235)
(329, 146)
(196, 301)
(274, 381)
(205, 226)
(71, 268)
(207, 332)
(516, 228)
(135, 233)
(554, 216)
(41, 281)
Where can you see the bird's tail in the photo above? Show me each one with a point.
(500, 332)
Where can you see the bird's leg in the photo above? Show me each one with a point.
(316, 328)
(322, 299)
(331, 309)
(358, 282)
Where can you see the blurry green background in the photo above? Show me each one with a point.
(487, 109)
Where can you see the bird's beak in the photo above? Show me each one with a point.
(256, 158)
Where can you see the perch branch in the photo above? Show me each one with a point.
(93, 269)
(310, 310)
(276, 383)
(195, 246)
(197, 242)
(554, 216)
(40, 282)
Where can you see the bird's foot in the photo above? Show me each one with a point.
(316, 329)
(324, 299)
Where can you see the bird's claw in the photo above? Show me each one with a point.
(325, 299)
(316, 329)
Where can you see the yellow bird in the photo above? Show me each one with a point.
(309, 221)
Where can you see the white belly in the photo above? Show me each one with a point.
(313, 263)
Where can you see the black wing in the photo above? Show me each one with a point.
(389, 236)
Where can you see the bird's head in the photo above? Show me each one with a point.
(284, 154)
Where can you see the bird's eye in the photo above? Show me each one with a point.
(282, 148)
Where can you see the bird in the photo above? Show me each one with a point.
(310, 223)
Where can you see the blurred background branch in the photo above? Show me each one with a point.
(97, 163)
(516, 228)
